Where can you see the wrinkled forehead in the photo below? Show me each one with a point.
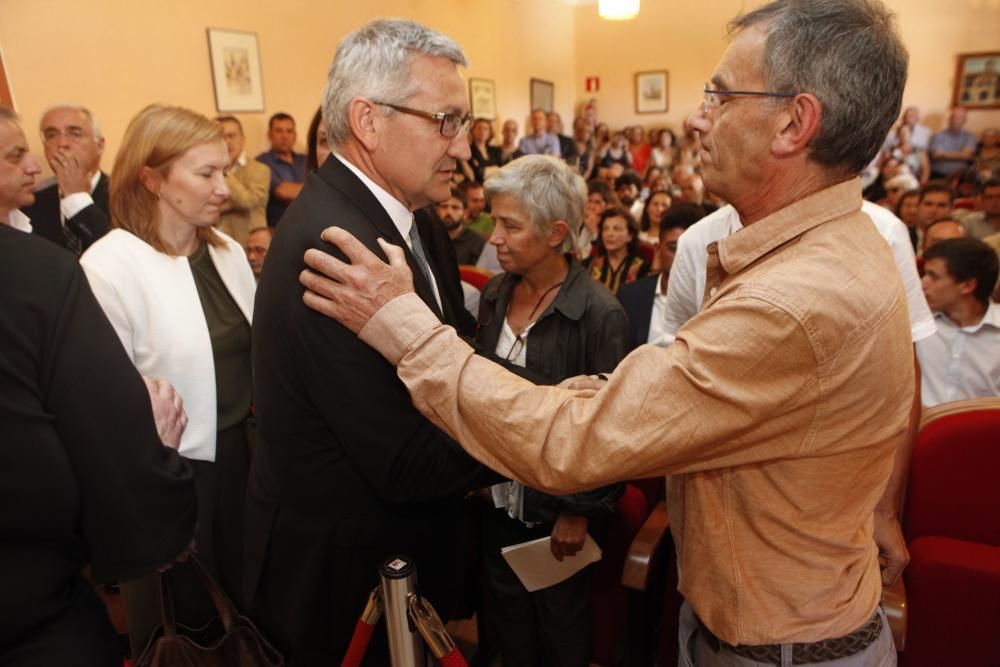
(437, 84)
(742, 64)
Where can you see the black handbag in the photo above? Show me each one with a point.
(228, 640)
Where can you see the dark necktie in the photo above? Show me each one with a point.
(73, 243)
(418, 254)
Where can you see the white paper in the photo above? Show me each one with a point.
(537, 568)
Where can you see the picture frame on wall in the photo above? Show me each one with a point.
(483, 98)
(652, 91)
(543, 95)
(977, 81)
(236, 73)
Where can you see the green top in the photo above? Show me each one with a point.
(482, 224)
(230, 335)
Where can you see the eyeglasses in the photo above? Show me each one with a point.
(515, 349)
(712, 96)
(73, 133)
(452, 124)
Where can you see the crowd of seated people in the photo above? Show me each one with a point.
(155, 217)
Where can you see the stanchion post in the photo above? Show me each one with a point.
(399, 582)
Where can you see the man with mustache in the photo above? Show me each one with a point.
(468, 244)
(349, 473)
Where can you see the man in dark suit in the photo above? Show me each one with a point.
(72, 210)
(348, 473)
(645, 300)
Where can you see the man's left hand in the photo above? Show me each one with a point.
(568, 535)
(893, 555)
(352, 293)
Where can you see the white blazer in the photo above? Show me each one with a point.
(153, 304)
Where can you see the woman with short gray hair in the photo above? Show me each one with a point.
(544, 314)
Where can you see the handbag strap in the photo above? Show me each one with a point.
(223, 605)
(166, 606)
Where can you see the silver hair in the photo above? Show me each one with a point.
(849, 55)
(549, 188)
(374, 62)
(95, 127)
(9, 115)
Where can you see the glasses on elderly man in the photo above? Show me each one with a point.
(452, 124)
(712, 100)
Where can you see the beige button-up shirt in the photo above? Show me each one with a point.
(778, 408)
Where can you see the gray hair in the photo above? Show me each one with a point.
(94, 126)
(549, 188)
(9, 115)
(848, 54)
(374, 62)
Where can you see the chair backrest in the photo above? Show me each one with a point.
(647, 251)
(474, 275)
(954, 482)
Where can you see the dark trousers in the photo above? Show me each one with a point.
(221, 490)
(550, 627)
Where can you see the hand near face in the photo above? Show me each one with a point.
(352, 293)
(568, 535)
(168, 411)
(70, 174)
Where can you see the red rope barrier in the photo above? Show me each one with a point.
(453, 659)
(363, 629)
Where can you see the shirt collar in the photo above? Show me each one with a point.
(20, 221)
(991, 318)
(241, 161)
(400, 215)
(749, 244)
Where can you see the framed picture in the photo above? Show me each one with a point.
(651, 92)
(543, 95)
(483, 98)
(236, 75)
(977, 81)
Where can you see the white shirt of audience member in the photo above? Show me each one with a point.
(687, 277)
(960, 362)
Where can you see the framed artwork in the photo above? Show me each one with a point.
(651, 92)
(543, 95)
(235, 60)
(977, 81)
(483, 98)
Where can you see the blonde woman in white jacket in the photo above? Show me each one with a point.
(180, 296)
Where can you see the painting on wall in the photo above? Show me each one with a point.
(483, 98)
(977, 81)
(651, 92)
(235, 60)
(543, 95)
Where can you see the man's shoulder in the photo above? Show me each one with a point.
(638, 290)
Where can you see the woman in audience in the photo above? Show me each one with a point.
(652, 213)
(582, 135)
(180, 296)
(907, 153)
(664, 149)
(988, 154)
(484, 155)
(85, 476)
(602, 140)
(638, 148)
(316, 144)
(617, 152)
(546, 315)
(617, 262)
(600, 196)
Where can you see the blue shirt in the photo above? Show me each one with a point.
(949, 141)
(281, 171)
(547, 144)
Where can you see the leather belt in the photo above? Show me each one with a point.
(804, 654)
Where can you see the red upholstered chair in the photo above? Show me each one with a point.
(474, 275)
(952, 527)
(647, 251)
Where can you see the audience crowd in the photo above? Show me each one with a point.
(173, 240)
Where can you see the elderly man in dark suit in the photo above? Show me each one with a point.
(71, 210)
(349, 473)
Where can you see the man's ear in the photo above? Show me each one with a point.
(968, 287)
(365, 121)
(797, 125)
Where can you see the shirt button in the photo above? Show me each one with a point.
(712, 291)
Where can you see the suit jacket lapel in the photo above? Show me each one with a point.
(343, 179)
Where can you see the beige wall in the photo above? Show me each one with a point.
(688, 38)
(117, 56)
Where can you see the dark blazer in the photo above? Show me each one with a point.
(90, 224)
(348, 473)
(84, 475)
(637, 300)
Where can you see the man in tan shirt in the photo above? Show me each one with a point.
(780, 405)
(248, 182)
